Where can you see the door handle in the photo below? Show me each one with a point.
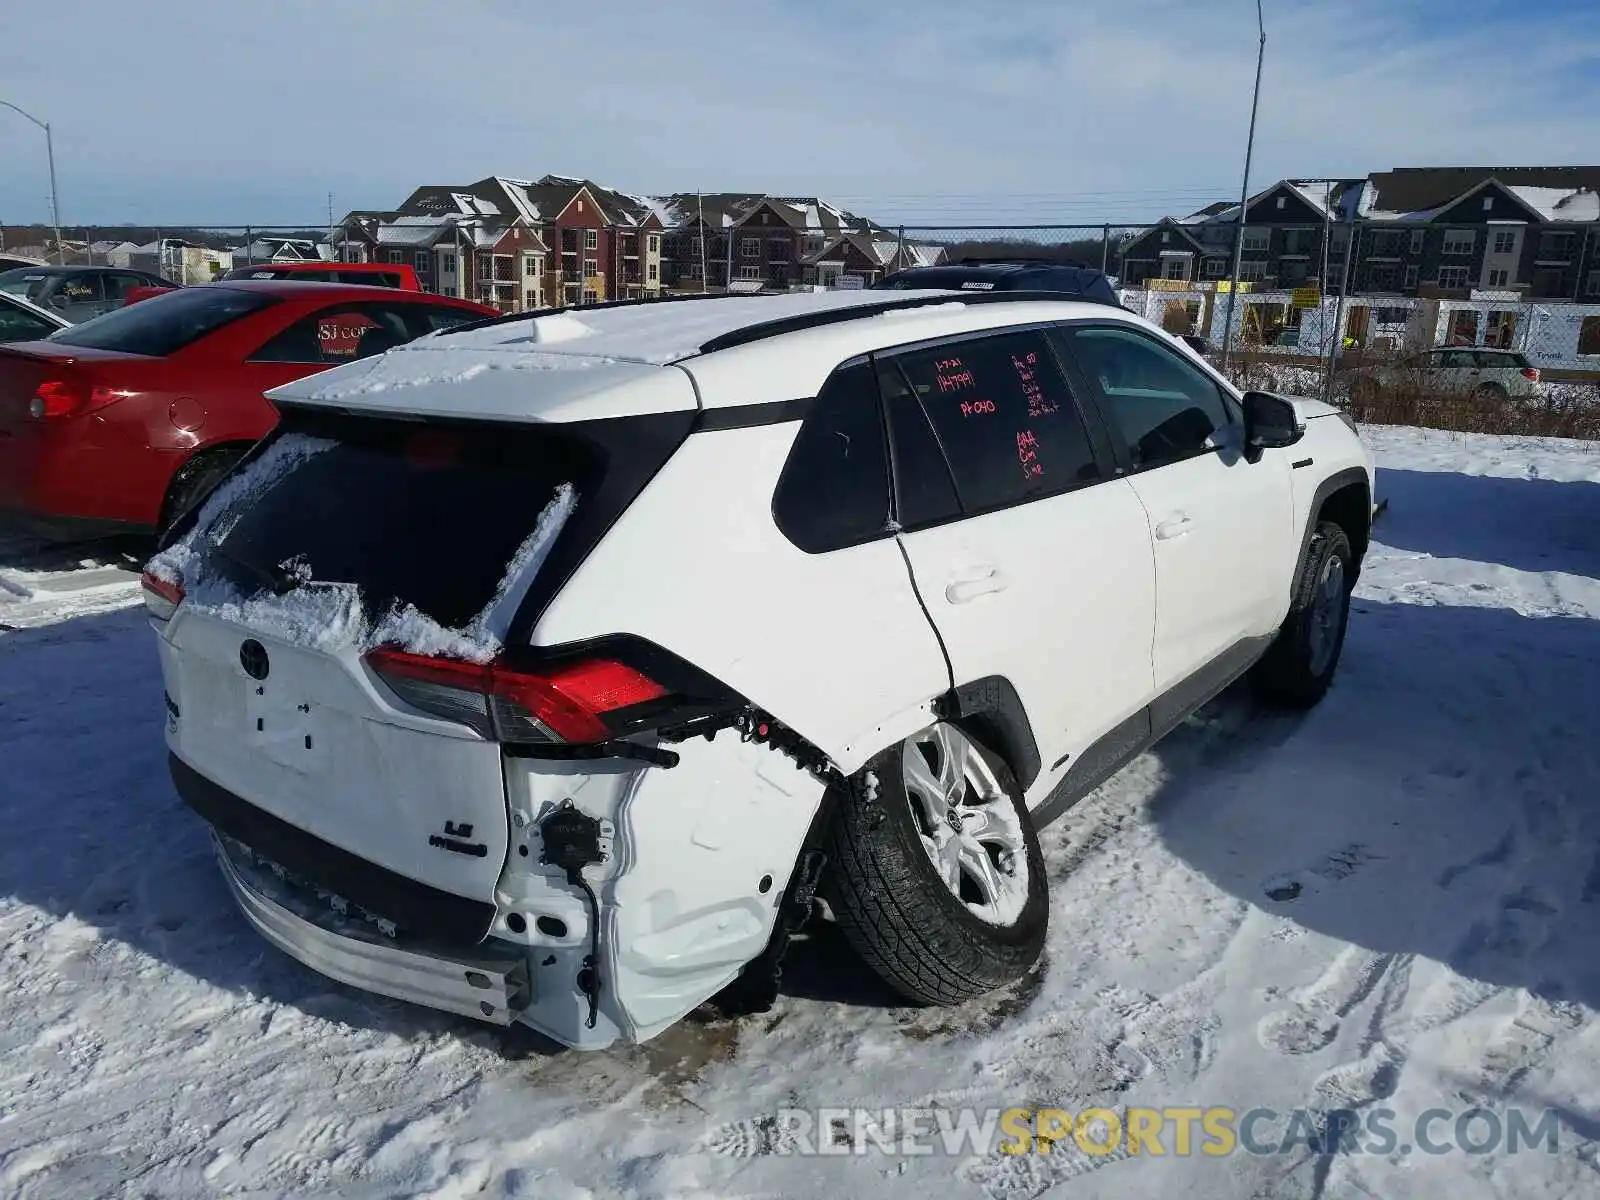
(970, 587)
(1174, 527)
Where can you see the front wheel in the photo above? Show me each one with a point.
(936, 876)
(1299, 666)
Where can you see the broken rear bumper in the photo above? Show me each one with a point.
(487, 983)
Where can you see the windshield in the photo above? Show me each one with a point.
(23, 281)
(166, 323)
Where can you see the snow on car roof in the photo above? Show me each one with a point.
(603, 361)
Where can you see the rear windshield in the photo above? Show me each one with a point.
(424, 515)
(166, 323)
(23, 281)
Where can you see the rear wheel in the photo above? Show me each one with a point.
(1489, 393)
(1299, 666)
(194, 479)
(936, 876)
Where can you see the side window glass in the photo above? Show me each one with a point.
(432, 320)
(1165, 408)
(924, 492)
(19, 325)
(335, 335)
(117, 286)
(83, 288)
(834, 489)
(1004, 416)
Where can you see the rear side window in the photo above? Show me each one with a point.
(834, 489)
(423, 515)
(370, 278)
(925, 494)
(166, 323)
(1005, 418)
(20, 325)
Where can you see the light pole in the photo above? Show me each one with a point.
(50, 150)
(1244, 190)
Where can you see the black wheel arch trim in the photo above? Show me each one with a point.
(1336, 482)
(994, 711)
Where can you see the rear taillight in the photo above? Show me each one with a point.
(568, 702)
(65, 398)
(161, 596)
(1531, 374)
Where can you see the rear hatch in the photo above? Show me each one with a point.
(342, 534)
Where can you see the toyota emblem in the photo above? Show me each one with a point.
(253, 658)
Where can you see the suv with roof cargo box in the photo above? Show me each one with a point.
(549, 670)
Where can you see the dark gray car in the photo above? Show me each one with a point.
(77, 293)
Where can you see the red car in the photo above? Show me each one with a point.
(119, 424)
(394, 275)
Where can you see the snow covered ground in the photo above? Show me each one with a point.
(1390, 903)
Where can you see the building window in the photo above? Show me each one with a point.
(1589, 336)
(651, 272)
(1416, 240)
(1214, 268)
(1498, 279)
(1591, 286)
(1505, 241)
(419, 260)
(485, 266)
(591, 268)
(749, 272)
(653, 244)
(394, 256)
(1452, 277)
(1460, 241)
(591, 239)
(447, 263)
(1488, 204)
(1411, 276)
(1257, 240)
(590, 296)
(530, 300)
(1383, 277)
(749, 247)
(530, 265)
(1555, 247)
(1253, 270)
(1550, 281)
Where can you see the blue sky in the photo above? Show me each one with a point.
(938, 111)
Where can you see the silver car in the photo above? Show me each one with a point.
(1478, 371)
(77, 293)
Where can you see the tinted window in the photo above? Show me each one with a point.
(20, 325)
(166, 323)
(834, 490)
(427, 515)
(439, 316)
(924, 492)
(117, 284)
(1457, 358)
(341, 333)
(368, 278)
(81, 288)
(1165, 407)
(26, 282)
(1005, 417)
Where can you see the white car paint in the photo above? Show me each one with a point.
(1090, 602)
(20, 304)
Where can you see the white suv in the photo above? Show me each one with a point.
(543, 671)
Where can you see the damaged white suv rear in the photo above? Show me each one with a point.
(544, 671)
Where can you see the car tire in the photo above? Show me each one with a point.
(1489, 393)
(194, 479)
(939, 936)
(1299, 665)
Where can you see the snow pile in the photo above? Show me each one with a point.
(333, 616)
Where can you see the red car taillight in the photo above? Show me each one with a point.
(161, 597)
(565, 703)
(65, 398)
(1531, 373)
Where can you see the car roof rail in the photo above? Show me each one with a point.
(763, 330)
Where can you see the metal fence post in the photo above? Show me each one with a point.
(249, 247)
(1338, 311)
(1105, 249)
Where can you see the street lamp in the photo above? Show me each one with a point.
(50, 149)
(1244, 190)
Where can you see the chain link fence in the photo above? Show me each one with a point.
(1317, 307)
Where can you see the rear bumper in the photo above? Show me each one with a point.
(489, 983)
